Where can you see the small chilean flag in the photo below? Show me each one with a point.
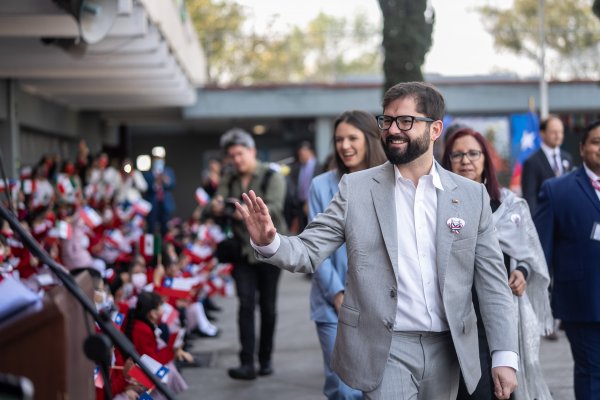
(64, 230)
(90, 216)
(175, 287)
(147, 245)
(13, 186)
(199, 254)
(169, 314)
(142, 207)
(98, 381)
(154, 366)
(115, 239)
(145, 396)
(202, 197)
(117, 319)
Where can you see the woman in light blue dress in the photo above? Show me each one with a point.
(357, 147)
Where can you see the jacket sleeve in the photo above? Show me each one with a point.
(303, 253)
(491, 283)
(326, 276)
(544, 222)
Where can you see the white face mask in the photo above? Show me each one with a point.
(158, 165)
(139, 280)
(100, 297)
(127, 291)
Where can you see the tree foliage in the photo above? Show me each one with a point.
(572, 34)
(407, 30)
(328, 48)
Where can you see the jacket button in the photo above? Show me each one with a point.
(390, 326)
(392, 293)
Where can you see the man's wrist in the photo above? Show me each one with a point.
(269, 249)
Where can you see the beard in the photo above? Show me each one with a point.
(414, 148)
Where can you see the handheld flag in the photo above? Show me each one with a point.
(142, 207)
(90, 216)
(154, 366)
(176, 287)
(202, 197)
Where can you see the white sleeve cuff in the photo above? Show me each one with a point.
(268, 250)
(502, 358)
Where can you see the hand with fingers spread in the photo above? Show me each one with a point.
(255, 214)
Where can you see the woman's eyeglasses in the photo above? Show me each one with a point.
(472, 155)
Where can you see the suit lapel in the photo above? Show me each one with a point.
(586, 186)
(545, 164)
(383, 198)
(447, 207)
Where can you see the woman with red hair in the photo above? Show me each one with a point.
(467, 153)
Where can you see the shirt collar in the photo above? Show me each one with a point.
(591, 173)
(435, 176)
(550, 152)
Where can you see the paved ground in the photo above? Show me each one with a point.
(297, 359)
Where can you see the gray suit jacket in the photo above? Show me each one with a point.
(363, 215)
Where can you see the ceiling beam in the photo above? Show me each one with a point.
(42, 25)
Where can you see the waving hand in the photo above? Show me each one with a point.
(257, 219)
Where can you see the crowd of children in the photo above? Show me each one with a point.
(91, 216)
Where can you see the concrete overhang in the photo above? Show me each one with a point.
(150, 57)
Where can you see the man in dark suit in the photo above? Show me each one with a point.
(161, 181)
(568, 224)
(547, 162)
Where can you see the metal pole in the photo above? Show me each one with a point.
(542, 63)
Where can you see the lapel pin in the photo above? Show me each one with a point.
(454, 201)
(516, 219)
(455, 224)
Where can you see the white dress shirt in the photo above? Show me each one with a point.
(420, 306)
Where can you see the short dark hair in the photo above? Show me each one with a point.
(236, 136)
(544, 122)
(588, 130)
(366, 123)
(430, 101)
(489, 171)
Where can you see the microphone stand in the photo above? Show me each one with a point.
(105, 324)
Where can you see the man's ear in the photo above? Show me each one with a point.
(437, 127)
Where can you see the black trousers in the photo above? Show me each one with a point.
(256, 282)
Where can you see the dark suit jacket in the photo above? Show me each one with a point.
(536, 169)
(168, 200)
(568, 208)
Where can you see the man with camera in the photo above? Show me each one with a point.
(251, 276)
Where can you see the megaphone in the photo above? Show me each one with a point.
(94, 17)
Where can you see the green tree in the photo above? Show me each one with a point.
(407, 29)
(327, 48)
(218, 25)
(596, 8)
(572, 34)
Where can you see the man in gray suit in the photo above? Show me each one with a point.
(418, 238)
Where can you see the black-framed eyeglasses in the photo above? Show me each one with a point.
(472, 155)
(403, 122)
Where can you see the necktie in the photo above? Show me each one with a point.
(556, 167)
(596, 184)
